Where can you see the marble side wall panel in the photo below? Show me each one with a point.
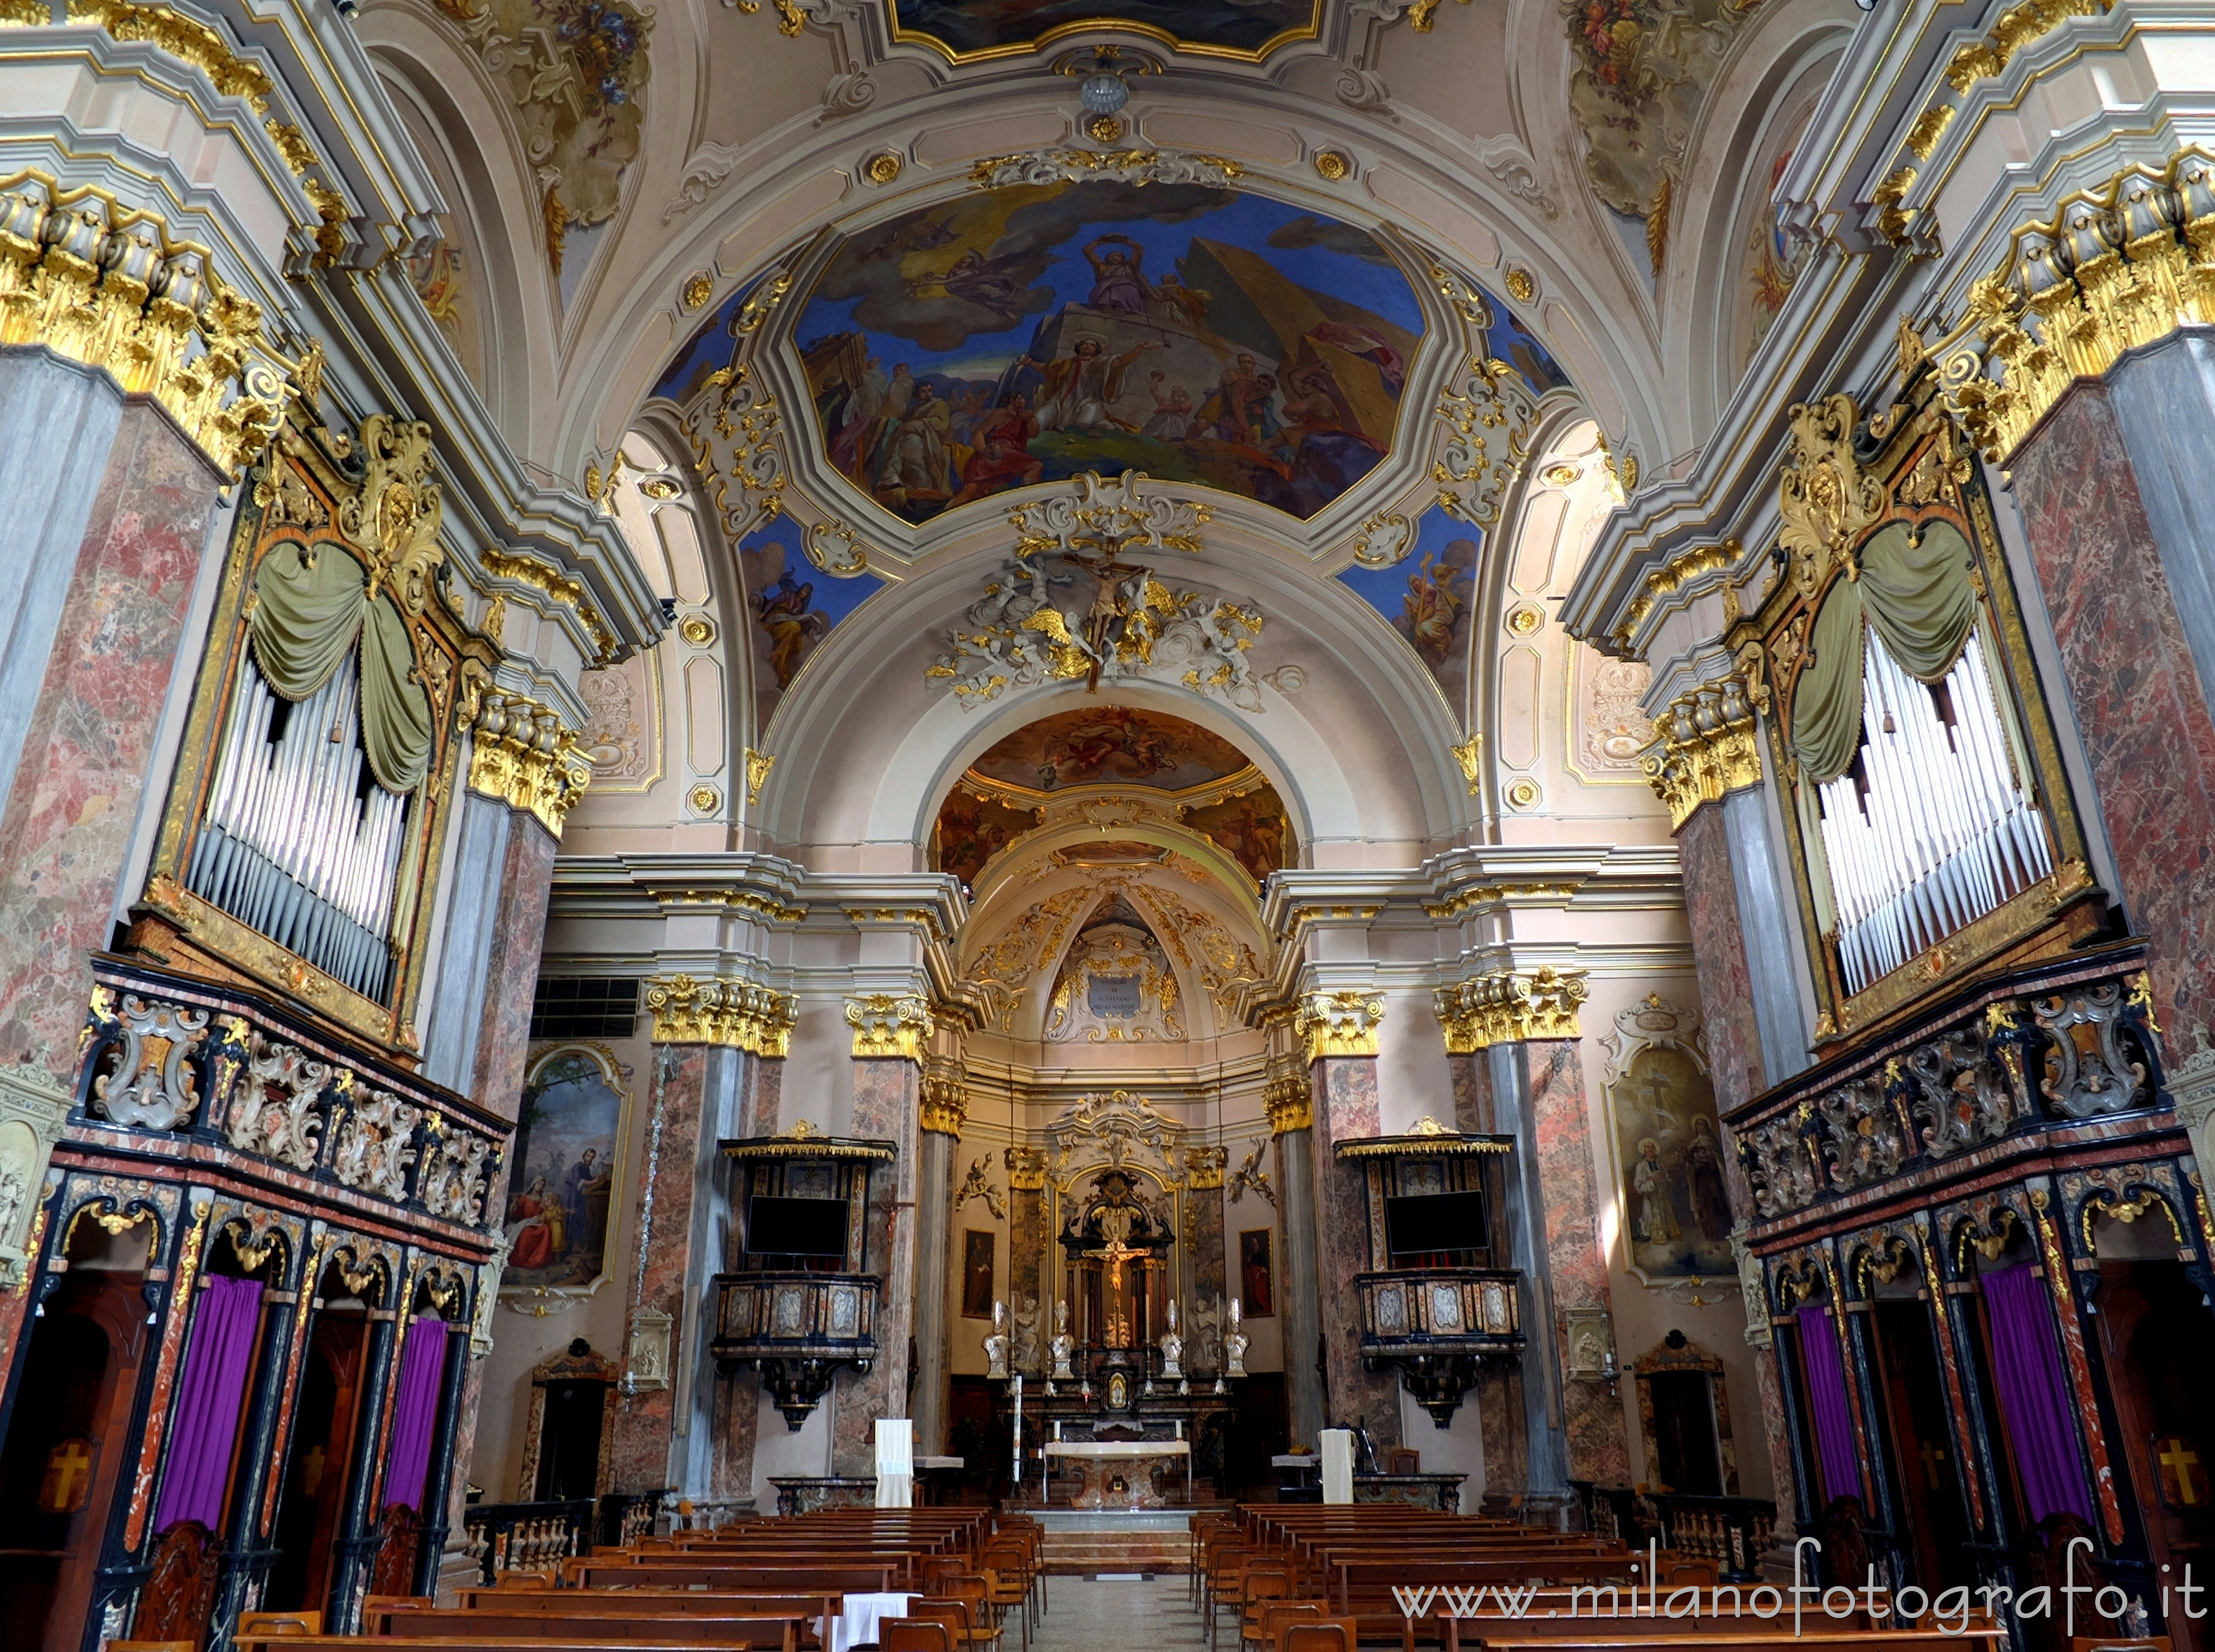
(886, 1095)
(1347, 1109)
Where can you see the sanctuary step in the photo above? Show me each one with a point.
(1087, 1542)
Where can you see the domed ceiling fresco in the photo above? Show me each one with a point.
(1026, 334)
(968, 29)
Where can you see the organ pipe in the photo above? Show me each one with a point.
(297, 840)
(1938, 830)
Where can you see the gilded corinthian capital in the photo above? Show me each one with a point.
(1510, 1007)
(1705, 748)
(1339, 1023)
(889, 1027)
(735, 1014)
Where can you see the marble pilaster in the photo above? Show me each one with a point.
(2140, 706)
(1768, 933)
(58, 420)
(519, 931)
(1204, 1240)
(87, 740)
(1719, 954)
(455, 1006)
(1599, 1447)
(887, 1093)
(764, 1097)
(1538, 1384)
(1347, 1109)
(1469, 1080)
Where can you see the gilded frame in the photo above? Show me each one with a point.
(453, 662)
(1927, 472)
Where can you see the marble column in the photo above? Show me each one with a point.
(1032, 1314)
(941, 1123)
(87, 723)
(1291, 1119)
(510, 980)
(1341, 1031)
(890, 1031)
(1544, 1480)
(2134, 684)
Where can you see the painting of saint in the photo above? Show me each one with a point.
(1428, 597)
(1675, 1202)
(966, 28)
(1257, 1295)
(796, 604)
(972, 830)
(566, 1146)
(1029, 333)
(977, 1274)
(1115, 744)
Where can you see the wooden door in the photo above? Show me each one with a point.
(316, 1472)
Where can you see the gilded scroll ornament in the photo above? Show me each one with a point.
(1826, 499)
(1487, 413)
(1706, 749)
(1112, 165)
(395, 517)
(1510, 1006)
(2112, 269)
(522, 754)
(1026, 1168)
(889, 1027)
(544, 576)
(181, 37)
(758, 763)
(107, 287)
(735, 1014)
(152, 1087)
(1339, 1023)
(1288, 1100)
(1466, 755)
(946, 1102)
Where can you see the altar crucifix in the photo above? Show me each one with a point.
(1116, 1249)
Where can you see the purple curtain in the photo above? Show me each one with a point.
(415, 1414)
(209, 1398)
(2034, 1397)
(1822, 1362)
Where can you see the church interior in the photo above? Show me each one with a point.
(935, 824)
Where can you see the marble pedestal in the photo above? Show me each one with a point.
(1119, 1473)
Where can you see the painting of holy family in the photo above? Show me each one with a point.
(566, 1148)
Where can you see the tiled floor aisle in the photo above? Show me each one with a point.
(1093, 1617)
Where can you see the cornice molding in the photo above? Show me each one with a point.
(1708, 748)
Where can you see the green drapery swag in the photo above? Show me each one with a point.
(1919, 599)
(314, 603)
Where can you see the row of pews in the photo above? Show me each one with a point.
(923, 1579)
(1334, 1578)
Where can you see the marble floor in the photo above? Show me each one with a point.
(1088, 1616)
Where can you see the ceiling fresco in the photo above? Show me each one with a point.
(978, 29)
(1200, 334)
(1110, 745)
(1427, 596)
(793, 604)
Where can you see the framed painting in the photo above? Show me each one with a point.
(568, 1164)
(1677, 1214)
(977, 1274)
(1257, 1294)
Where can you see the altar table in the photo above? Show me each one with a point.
(1119, 1473)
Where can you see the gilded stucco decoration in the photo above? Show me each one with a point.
(151, 1087)
(1004, 969)
(521, 754)
(1826, 499)
(734, 1013)
(1706, 749)
(1510, 1006)
(1118, 1131)
(574, 70)
(736, 430)
(1341, 1022)
(1287, 1097)
(1485, 414)
(1023, 632)
(2113, 268)
(108, 287)
(1199, 941)
(1104, 166)
(889, 1027)
(1643, 72)
(1115, 986)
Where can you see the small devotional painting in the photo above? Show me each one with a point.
(567, 1143)
(1257, 1295)
(977, 1274)
(1029, 333)
(1676, 1204)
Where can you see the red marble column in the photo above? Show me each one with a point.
(1469, 1079)
(1719, 955)
(67, 829)
(1345, 1109)
(638, 1460)
(887, 1100)
(2139, 704)
(1599, 1448)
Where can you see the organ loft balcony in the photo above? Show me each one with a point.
(1434, 1304)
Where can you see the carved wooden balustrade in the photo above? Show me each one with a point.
(224, 1065)
(527, 1536)
(1437, 1325)
(796, 1330)
(1999, 1065)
